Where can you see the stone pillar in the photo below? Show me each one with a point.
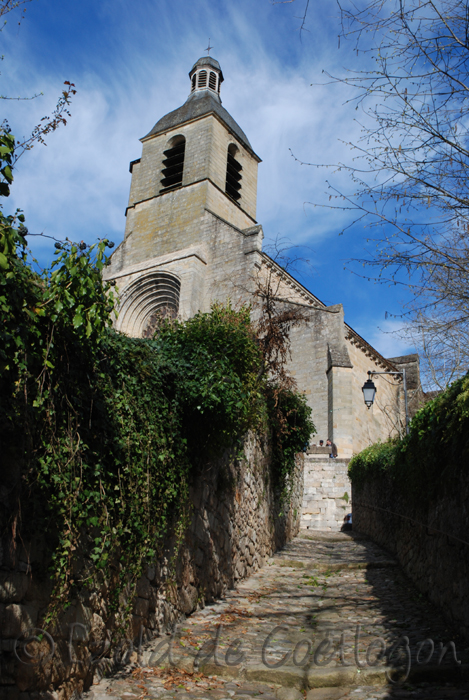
(340, 379)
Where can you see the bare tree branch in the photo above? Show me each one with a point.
(409, 182)
(47, 124)
(303, 17)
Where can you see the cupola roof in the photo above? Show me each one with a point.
(206, 61)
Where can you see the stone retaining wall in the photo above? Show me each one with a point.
(234, 527)
(327, 492)
(431, 543)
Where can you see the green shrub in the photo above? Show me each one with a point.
(215, 359)
(374, 460)
(431, 456)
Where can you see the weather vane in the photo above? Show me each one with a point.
(209, 48)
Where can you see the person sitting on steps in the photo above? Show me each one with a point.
(333, 452)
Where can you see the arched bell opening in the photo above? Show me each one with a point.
(173, 163)
(233, 173)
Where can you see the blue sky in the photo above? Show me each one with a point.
(129, 61)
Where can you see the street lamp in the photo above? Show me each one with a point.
(369, 392)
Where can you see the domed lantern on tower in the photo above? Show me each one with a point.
(206, 74)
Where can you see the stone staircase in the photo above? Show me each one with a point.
(327, 491)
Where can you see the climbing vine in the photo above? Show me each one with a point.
(104, 433)
(290, 427)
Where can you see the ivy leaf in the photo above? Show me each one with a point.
(6, 172)
(77, 321)
(3, 260)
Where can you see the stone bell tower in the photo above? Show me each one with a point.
(191, 239)
(196, 164)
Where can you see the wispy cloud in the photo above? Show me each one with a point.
(78, 185)
(386, 337)
(130, 63)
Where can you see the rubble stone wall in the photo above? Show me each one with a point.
(234, 526)
(430, 541)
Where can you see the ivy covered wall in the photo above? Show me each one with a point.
(412, 497)
(106, 442)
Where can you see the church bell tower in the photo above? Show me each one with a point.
(196, 161)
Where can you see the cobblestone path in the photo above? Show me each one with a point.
(330, 616)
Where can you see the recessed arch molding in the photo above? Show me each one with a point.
(143, 300)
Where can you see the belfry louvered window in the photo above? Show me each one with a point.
(194, 78)
(173, 165)
(212, 81)
(233, 174)
(202, 79)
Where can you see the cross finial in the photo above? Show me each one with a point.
(209, 48)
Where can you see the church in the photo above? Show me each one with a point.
(192, 239)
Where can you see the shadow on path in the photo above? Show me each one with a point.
(331, 615)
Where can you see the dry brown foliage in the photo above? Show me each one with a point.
(275, 317)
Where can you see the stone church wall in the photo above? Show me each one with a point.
(163, 223)
(308, 364)
(213, 246)
(232, 261)
(221, 139)
(233, 528)
(415, 394)
(387, 415)
(173, 221)
(431, 543)
(331, 372)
